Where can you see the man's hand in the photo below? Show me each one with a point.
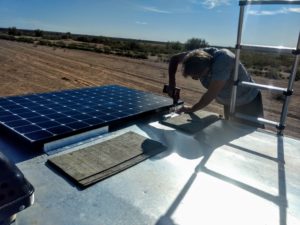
(214, 88)
(185, 109)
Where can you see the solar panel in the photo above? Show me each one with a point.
(39, 118)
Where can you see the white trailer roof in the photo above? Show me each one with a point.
(226, 173)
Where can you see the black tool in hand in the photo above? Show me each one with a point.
(175, 93)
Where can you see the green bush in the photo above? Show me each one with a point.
(99, 50)
(83, 39)
(273, 74)
(45, 42)
(141, 56)
(14, 31)
(67, 35)
(38, 33)
(80, 46)
(7, 37)
(195, 43)
(25, 39)
(60, 44)
(107, 50)
(51, 37)
(175, 46)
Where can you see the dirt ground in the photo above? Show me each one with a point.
(26, 68)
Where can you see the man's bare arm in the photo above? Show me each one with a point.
(213, 90)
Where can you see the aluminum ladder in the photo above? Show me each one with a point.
(287, 92)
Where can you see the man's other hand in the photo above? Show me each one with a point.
(184, 109)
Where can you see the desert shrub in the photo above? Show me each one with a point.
(67, 35)
(7, 37)
(45, 42)
(83, 39)
(129, 54)
(132, 45)
(119, 53)
(195, 43)
(141, 56)
(95, 40)
(38, 33)
(13, 31)
(60, 44)
(107, 50)
(273, 74)
(258, 59)
(51, 37)
(176, 46)
(297, 77)
(25, 39)
(286, 60)
(100, 40)
(80, 46)
(99, 50)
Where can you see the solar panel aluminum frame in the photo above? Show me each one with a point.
(83, 99)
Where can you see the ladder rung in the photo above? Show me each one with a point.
(280, 49)
(263, 87)
(257, 120)
(249, 2)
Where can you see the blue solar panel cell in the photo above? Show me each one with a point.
(93, 121)
(5, 113)
(70, 112)
(47, 112)
(18, 123)
(48, 124)
(20, 110)
(61, 129)
(5, 102)
(39, 135)
(27, 129)
(81, 116)
(40, 118)
(56, 116)
(107, 117)
(38, 108)
(121, 114)
(9, 118)
(15, 107)
(65, 120)
(78, 125)
(28, 114)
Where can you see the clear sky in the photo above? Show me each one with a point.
(160, 20)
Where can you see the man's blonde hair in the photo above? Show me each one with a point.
(195, 62)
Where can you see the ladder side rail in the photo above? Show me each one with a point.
(249, 2)
(284, 110)
(237, 57)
